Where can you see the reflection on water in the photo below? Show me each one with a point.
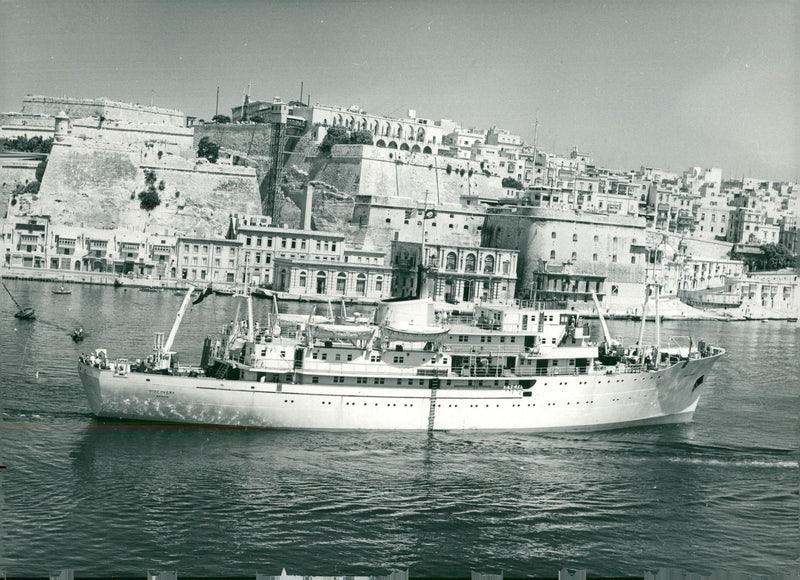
(118, 498)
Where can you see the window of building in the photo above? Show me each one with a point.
(574, 237)
(614, 258)
(553, 235)
(596, 239)
(341, 282)
(450, 263)
(594, 257)
(552, 254)
(574, 256)
(633, 259)
(302, 279)
(469, 263)
(488, 265)
(379, 284)
(361, 284)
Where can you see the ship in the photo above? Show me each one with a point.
(517, 366)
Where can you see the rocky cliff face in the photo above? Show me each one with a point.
(95, 184)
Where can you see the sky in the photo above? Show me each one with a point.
(668, 83)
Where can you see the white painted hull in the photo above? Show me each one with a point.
(579, 402)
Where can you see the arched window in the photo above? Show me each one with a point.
(379, 284)
(361, 284)
(469, 264)
(322, 287)
(341, 283)
(283, 280)
(302, 280)
(451, 261)
(488, 265)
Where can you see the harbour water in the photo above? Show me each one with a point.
(111, 498)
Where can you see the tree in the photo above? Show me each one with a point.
(335, 136)
(32, 145)
(512, 183)
(361, 138)
(258, 119)
(777, 257)
(220, 119)
(208, 149)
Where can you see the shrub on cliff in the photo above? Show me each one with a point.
(208, 149)
(148, 199)
(335, 136)
(221, 119)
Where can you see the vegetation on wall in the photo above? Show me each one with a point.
(221, 119)
(32, 145)
(361, 138)
(208, 149)
(335, 136)
(149, 198)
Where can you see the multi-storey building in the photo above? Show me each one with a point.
(352, 274)
(26, 241)
(263, 243)
(453, 273)
(209, 260)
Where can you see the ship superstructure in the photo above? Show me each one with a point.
(514, 366)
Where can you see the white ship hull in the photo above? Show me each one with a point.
(568, 402)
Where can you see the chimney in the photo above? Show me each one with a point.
(306, 213)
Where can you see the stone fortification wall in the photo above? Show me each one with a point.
(370, 170)
(20, 125)
(15, 173)
(109, 110)
(246, 137)
(89, 184)
(168, 139)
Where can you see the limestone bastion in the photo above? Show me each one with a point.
(96, 184)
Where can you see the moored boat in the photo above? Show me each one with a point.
(23, 313)
(520, 366)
